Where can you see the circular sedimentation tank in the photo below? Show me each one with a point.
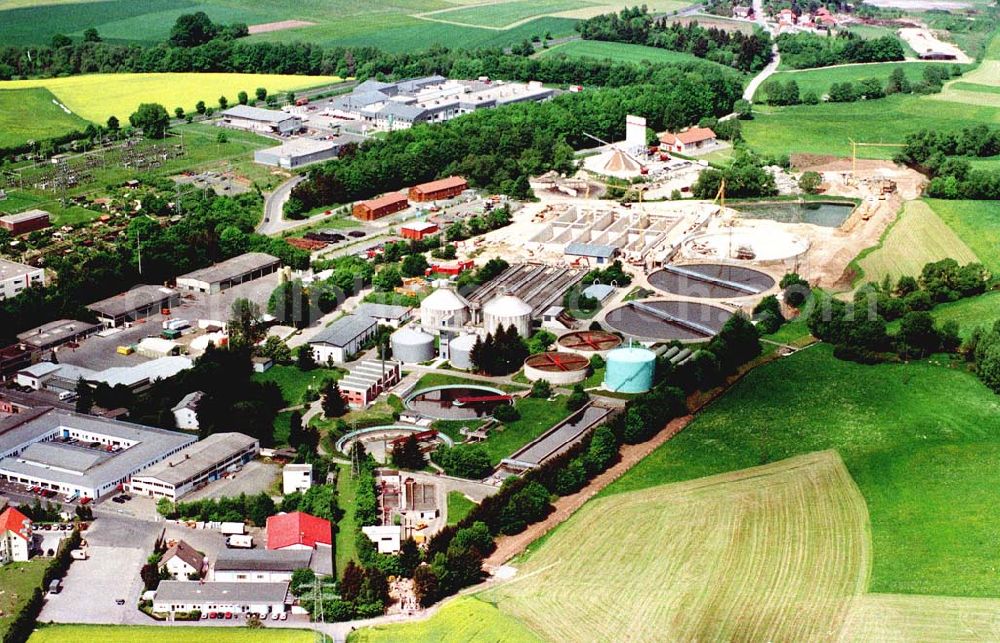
(376, 438)
(711, 280)
(630, 370)
(556, 368)
(589, 342)
(412, 346)
(668, 320)
(745, 244)
(457, 401)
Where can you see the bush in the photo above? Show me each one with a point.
(506, 413)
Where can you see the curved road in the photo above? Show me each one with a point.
(274, 220)
(758, 80)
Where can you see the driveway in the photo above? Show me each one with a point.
(254, 478)
(274, 219)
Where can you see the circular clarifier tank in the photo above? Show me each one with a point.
(668, 320)
(711, 281)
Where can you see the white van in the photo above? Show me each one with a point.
(67, 396)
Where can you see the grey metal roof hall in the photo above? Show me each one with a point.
(137, 298)
(198, 457)
(225, 593)
(262, 560)
(344, 331)
(232, 268)
(591, 250)
(382, 311)
(257, 114)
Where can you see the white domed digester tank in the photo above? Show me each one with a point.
(505, 311)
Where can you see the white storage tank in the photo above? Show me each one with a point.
(444, 307)
(505, 311)
(630, 370)
(460, 351)
(412, 346)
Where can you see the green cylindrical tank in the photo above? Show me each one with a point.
(630, 370)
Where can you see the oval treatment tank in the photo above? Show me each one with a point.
(412, 346)
(460, 351)
(630, 370)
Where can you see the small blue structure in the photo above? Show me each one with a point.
(630, 370)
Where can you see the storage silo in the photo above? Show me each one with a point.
(505, 311)
(412, 346)
(460, 351)
(444, 307)
(630, 370)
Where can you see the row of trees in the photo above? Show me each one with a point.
(983, 350)
(498, 149)
(777, 92)
(745, 177)
(256, 508)
(939, 155)
(635, 25)
(806, 50)
(501, 353)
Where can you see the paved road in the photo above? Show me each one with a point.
(274, 221)
(758, 80)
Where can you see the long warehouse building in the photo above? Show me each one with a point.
(231, 272)
(195, 466)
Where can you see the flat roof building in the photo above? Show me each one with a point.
(138, 303)
(342, 339)
(417, 230)
(73, 453)
(599, 252)
(56, 333)
(25, 222)
(231, 272)
(380, 206)
(196, 466)
(440, 189)
(266, 121)
(183, 596)
(387, 314)
(300, 152)
(367, 380)
(260, 565)
(15, 278)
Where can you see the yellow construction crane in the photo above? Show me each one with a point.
(720, 196)
(854, 151)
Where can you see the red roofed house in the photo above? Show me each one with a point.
(440, 189)
(15, 536)
(380, 206)
(688, 141)
(297, 530)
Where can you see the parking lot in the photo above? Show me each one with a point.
(254, 478)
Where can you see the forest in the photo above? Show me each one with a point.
(806, 50)
(943, 157)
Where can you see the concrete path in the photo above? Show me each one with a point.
(274, 221)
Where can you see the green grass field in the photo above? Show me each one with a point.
(458, 507)
(20, 200)
(18, 581)
(975, 222)
(153, 634)
(983, 310)
(618, 52)
(465, 618)
(95, 97)
(537, 417)
(922, 440)
(503, 14)
(294, 382)
(916, 238)
(32, 114)
(347, 491)
(819, 80)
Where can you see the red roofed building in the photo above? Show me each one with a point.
(417, 230)
(15, 536)
(690, 140)
(440, 189)
(380, 206)
(297, 530)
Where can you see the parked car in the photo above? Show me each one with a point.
(283, 616)
(119, 601)
(212, 615)
(274, 616)
(229, 615)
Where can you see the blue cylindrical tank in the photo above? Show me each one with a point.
(630, 370)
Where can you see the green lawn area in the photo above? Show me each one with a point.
(293, 382)
(20, 200)
(537, 417)
(32, 115)
(616, 51)
(794, 332)
(977, 223)
(452, 428)
(922, 441)
(281, 427)
(819, 80)
(973, 87)
(18, 581)
(501, 14)
(178, 634)
(458, 507)
(465, 618)
(983, 311)
(827, 128)
(443, 379)
(347, 491)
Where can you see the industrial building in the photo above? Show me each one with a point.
(300, 152)
(79, 454)
(14, 358)
(298, 530)
(231, 272)
(506, 311)
(380, 207)
(342, 339)
(258, 598)
(264, 121)
(367, 380)
(135, 304)
(540, 286)
(25, 222)
(443, 309)
(417, 230)
(296, 478)
(385, 314)
(440, 189)
(412, 346)
(196, 466)
(259, 565)
(431, 99)
(56, 333)
(64, 377)
(16, 277)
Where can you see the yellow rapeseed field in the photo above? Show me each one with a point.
(96, 97)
